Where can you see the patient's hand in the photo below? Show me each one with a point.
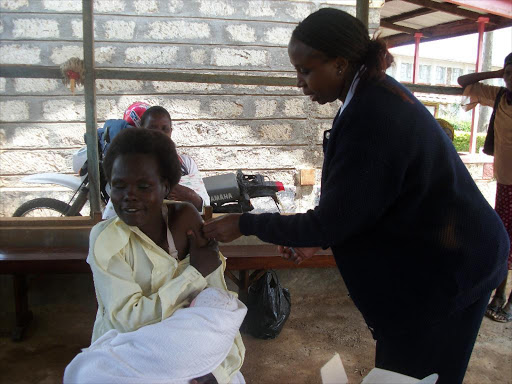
(182, 193)
(297, 255)
(206, 379)
(206, 258)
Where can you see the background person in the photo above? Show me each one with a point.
(499, 308)
(152, 259)
(191, 187)
(418, 246)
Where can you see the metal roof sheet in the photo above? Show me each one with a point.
(438, 19)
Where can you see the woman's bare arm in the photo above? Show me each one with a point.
(185, 224)
(183, 216)
(472, 78)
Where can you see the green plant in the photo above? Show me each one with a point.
(460, 125)
(461, 141)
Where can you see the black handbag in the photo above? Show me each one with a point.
(489, 138)
(268, 307)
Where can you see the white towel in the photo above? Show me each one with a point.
(189, 344)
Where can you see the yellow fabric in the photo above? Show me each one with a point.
(137, 283)
(479, 93)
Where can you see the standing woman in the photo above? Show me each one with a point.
(416, 243)
(499, 309)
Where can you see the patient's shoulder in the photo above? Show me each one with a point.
(183, 217)
(183, 214)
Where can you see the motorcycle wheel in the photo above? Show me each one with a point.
(42, 207)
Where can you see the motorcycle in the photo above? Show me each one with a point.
(49, 207)
(228, 193)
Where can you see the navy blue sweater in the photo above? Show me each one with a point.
(412, 235)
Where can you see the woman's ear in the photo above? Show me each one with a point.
(166, 188)
(341, 65)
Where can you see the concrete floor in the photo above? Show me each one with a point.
(323, 321)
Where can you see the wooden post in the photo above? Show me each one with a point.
(417, 38)
(243, 277)
(474, 117)
(23, 315)
(90, 108)
(363, 11)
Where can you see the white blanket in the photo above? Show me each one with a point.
(189, 344)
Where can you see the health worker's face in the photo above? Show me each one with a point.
(321, 78)
(138, 190)
(159, 122)
(507, 76)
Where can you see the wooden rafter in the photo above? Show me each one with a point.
(396, 27)
(407, 15)
(501, 8)
(452, 9)
(443, 31)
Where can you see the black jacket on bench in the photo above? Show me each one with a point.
(412, 235)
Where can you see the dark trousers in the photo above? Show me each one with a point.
(443, 348)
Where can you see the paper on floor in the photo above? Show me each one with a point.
(381, 376)
(334, 373)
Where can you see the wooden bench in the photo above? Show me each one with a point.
(60, 246)
(260, 257)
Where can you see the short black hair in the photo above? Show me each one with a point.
(336, 33)
(508, 60)
(145, 141)
(155, 110)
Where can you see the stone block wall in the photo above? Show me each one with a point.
(274, 131)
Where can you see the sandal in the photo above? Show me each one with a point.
(492, 310)
(502, 317)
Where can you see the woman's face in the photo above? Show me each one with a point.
(321, 78)
(507, 76)
(138, 190)
(160, 122)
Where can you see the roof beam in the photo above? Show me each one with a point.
(396, 27)
(450, 8)
(407, 15)
(496, 7)
(443, 31)
(39, 71)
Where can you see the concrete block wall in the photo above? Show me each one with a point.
(270, 130)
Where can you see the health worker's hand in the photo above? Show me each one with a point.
(297, 255)
(225, 228)
(206, 258)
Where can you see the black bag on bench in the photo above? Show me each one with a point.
(268, 307)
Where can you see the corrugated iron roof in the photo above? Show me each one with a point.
(438, 19)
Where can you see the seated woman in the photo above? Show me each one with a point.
(152, 259)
